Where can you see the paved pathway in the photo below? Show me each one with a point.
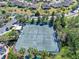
(6, 53)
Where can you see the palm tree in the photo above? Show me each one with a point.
(11, 54)
(30, 51)
(44, 54)
(22, 52)
(51, 22)
(25, 10)
(37, 13)
(62, 21)
(15, 10)
(32, 21)
(38, 21)
(3, 12)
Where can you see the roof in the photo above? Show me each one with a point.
(66, 3)
(17, 27)
(45, 6)
(2, 4)
(57, 5)
(33, 6)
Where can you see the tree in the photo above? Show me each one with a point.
(64, 39)
(44, 54)
(62, 21)
(53, 13)
(38, 21)
(65, 53)
(32, 21)
(51, 22)
(3, 12)
(11, 54)
(12, 35)
(21, 19)
(37, 14)
(22, 51)
(42, 21)
(30, 51)
(25, 10)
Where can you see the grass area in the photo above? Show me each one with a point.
(11, 35)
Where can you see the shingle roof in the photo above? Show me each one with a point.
(46, 6)
(66, 3)
(2, 4)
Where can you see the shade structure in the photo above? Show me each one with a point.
(36, 36)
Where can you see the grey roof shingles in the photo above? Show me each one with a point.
(66, 3)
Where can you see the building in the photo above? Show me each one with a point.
(17, 27)
(41, 0)
(3, 4)
(58, 3)
(45, 6)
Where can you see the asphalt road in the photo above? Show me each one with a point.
(8, 25)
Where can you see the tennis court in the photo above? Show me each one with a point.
(36, 36)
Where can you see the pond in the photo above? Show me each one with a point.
(36, 36)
